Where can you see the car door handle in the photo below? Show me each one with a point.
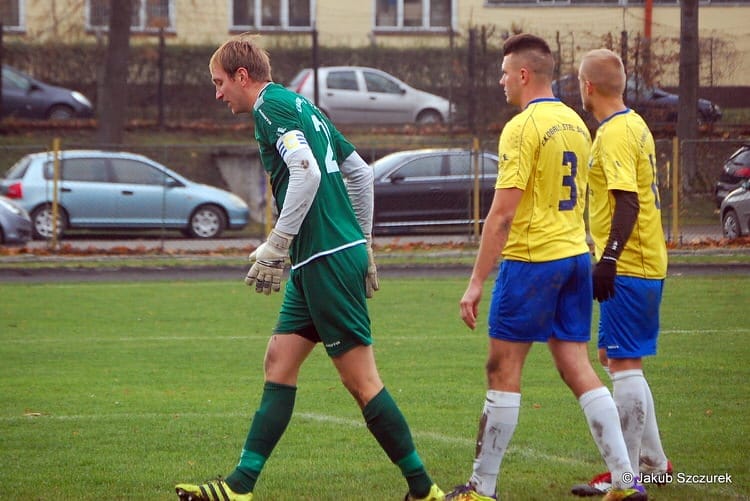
(65, 190)
(127, 192)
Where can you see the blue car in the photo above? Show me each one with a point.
(118, 190)
(15, 224)
(27, 97)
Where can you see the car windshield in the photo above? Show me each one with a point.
(297, 80)
(11, 79)
(385, 164)
(19, 168)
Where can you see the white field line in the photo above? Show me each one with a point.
(264, 337)
(306, 416)
(525, 452)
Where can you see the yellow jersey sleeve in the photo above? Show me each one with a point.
(543, 151)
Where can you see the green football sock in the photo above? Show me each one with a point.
(387, 424)
(270, 421)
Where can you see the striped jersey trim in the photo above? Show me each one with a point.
(328, 252)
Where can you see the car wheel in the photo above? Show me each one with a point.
(429, 117)
(208, 221)
(731, 225)
(41, 222)
(60, 112)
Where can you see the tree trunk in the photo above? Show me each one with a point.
(112, 102)
(687, 118)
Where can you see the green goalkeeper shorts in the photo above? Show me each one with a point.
(324, 301)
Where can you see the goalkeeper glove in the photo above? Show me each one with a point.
(604, 278)
(371, 281)
(268, 262)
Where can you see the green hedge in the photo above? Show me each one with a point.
(189, 93)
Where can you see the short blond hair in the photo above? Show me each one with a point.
(242, 51)
(604, 69)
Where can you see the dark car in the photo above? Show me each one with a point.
(15, 224)
(655, 105)
(735, 170)
(26, 97)
(432, 188)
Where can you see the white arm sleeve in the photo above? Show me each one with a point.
(359, 178)
(304, 179)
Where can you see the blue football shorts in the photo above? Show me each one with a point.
(533, 301)
(629, 322)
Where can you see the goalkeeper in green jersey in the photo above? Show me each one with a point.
(324, 229)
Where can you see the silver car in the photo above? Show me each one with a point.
(735, 212)
(360, 95)
(118, 190)
(15, 224)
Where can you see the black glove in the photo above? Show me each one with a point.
(604, 279)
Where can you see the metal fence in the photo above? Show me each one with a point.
(689, 205)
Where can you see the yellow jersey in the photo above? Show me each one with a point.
(543, 151)
(623, 157)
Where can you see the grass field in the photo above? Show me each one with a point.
(120, 390)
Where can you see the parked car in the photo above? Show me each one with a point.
(354, 94)
(118, 190)
(735, 170)
(26, 97)
(652, 103)
(15, 224)
(735, 212)
(430, 188)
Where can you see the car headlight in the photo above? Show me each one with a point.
(81, 99)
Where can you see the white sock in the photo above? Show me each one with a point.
(499, 420)
(652, 452)
(604, 424)
(630, 397)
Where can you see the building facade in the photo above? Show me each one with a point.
(571, 26)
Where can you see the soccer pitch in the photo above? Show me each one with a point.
(121, 390)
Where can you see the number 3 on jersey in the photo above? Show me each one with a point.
(569, 159)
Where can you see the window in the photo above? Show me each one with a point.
(420, 167)
(414, 14)
(85, 169)
(11, 15)
(272, 14)
(14, 81)
(133, 172)
(148, 15)
(378, 83)
(342, 80)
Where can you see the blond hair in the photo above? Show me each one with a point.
(604, 69)
(242, 51)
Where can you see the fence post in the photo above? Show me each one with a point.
(477, 188)
(675, 186)
(55, 186)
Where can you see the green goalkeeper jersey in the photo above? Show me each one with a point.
(330, 224)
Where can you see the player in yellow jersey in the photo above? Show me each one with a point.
(543, 287)
(631, 254)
